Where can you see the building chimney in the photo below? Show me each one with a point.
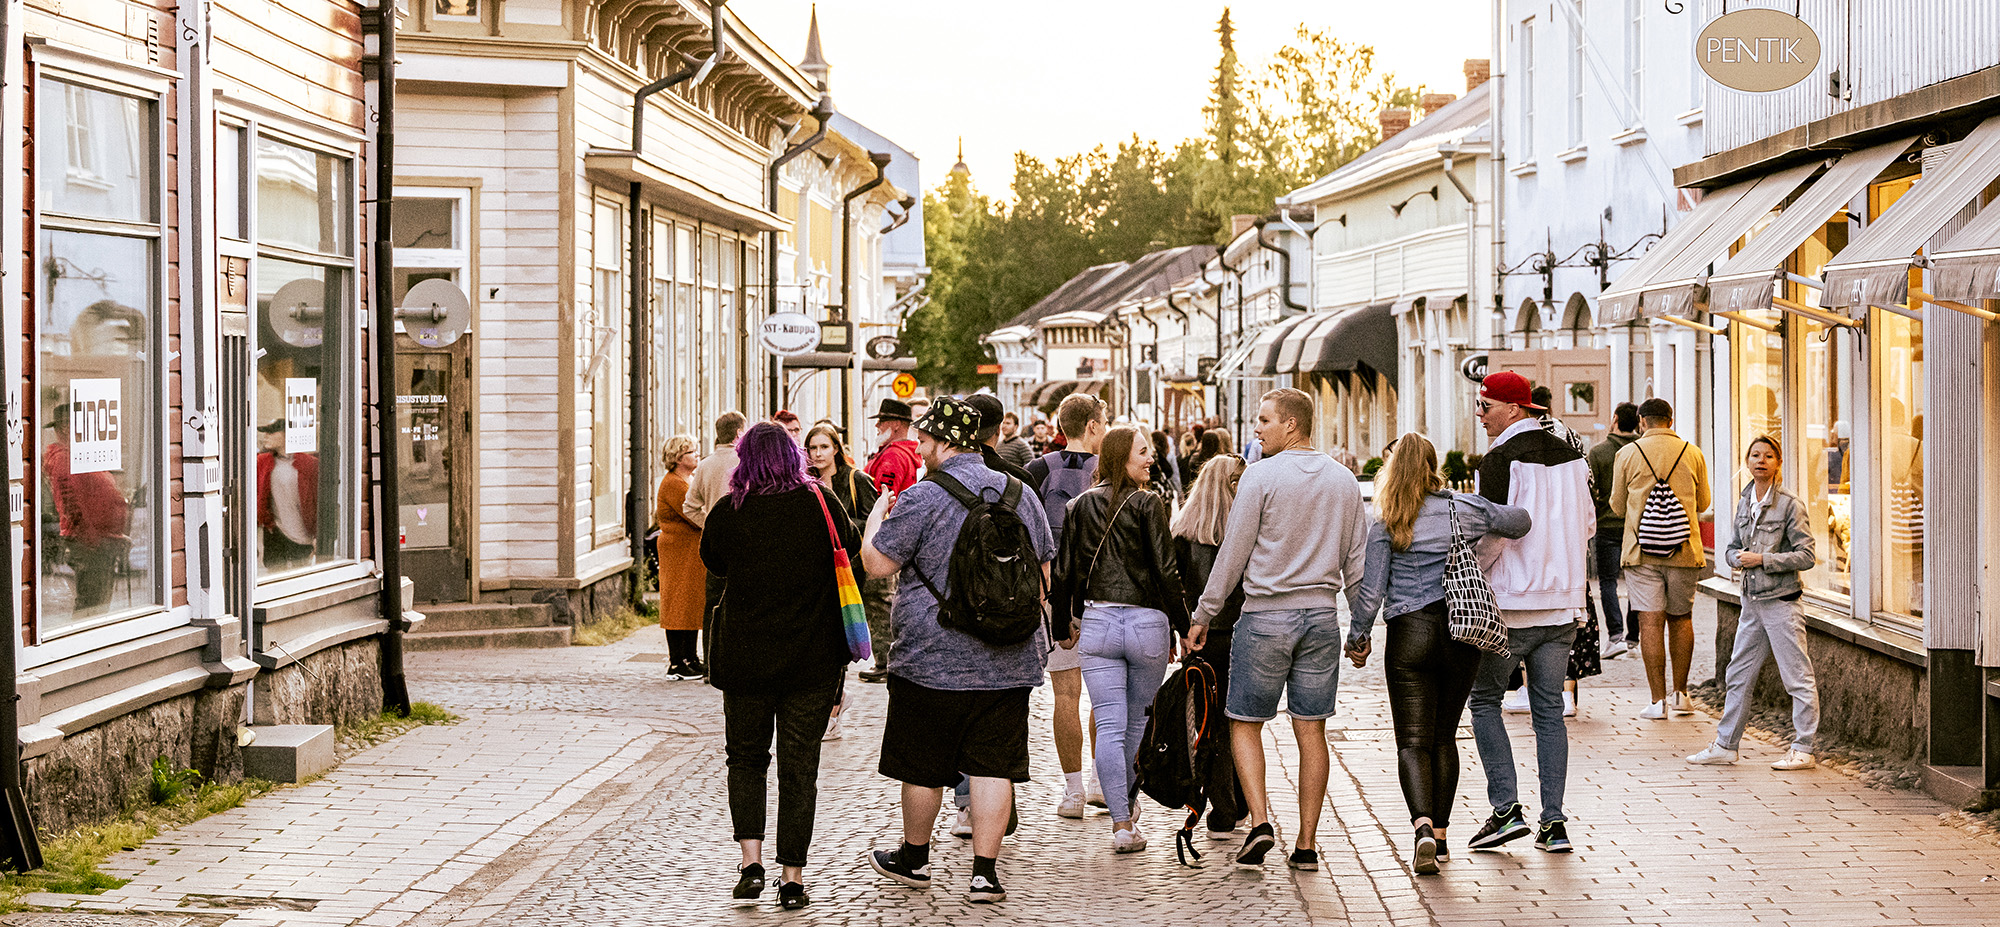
(1477, 71)
(1432, 102)
(1394, 119)
(1239, 224)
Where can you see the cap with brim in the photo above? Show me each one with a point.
(1509, 387)
(952, 421)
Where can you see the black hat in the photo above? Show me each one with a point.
(274, 425)
(893, 410)
(989, 408)
(952, 421)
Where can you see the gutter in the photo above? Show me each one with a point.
(822, 113)
(1451, 153)
(908, 203)
(1284, 267)
(641, 491)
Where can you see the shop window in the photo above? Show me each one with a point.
(603, 370)
(98, 383)
(306, 354)
(1823, 368)
(1757, 358)
(688, 385)
(1898, 381)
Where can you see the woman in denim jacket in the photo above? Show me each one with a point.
(1430, 674)
(1772, 544)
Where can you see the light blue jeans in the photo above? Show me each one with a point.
(1544, 652)
(1770, 628)
(1124, 651)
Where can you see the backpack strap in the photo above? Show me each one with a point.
(951, 485)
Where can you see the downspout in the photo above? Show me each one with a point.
(850, 386)
(822, 112)
(1450, 153)
(908, 203)
(1496, 162)
(23, 848)
(388, 520)
(1284, 268)
(636, 328)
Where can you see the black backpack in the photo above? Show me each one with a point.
(995, 576)
(1184, 754)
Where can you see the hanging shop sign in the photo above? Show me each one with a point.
(904, 386)
(788, 334)
(1474, 368)
(1757, 50)
(883, 347)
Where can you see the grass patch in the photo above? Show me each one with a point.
(360, 735)
(615, 628)
(71, 861)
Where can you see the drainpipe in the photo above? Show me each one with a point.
(908, 203)
(636, 328)
(1284, 267)
(850, 387)
(22, 848)
(388, 509)
(821, 112)
(1450, 152)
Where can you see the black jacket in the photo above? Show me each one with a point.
(1137, 566)
(856, 493)
(780, 627)
(1197, 561)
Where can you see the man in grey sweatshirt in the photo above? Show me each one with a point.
(1297, 539)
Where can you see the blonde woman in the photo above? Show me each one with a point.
(683, 589)
(1197, 537)
(1430, 675)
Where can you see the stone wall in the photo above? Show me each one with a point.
(102, 771)
(339, 685)
(1868, 700)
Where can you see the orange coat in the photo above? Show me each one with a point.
(683, 578)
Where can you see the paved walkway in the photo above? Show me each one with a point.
(583, 788)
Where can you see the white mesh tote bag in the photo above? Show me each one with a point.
(1468, 597)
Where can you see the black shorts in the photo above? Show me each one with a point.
(932, 736)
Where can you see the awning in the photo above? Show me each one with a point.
(1295, 353)
(1263, 359)
(1967, 268)
(1364, 337)
(1744, 281)
(1664, 279)
(1874, 269)
(835, 360)
(1043, 393)
(1232, 359)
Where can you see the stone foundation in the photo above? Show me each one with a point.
(1868, 700)
(101, 772)
(338, 686)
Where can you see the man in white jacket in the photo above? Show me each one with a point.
(1539, 583)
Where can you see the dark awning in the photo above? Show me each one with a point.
(1295, 351)
(1744, 281)
(1874, 268)
(1364, 337)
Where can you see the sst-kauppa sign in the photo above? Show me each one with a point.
(94, 425)
(1757, 50)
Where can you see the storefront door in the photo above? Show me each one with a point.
(1580, 378)
(433, 421)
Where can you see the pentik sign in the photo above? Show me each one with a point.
(1757, 51)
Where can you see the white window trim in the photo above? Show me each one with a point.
(67, 62)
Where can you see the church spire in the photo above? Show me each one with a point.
(814, 65)
(960, 167)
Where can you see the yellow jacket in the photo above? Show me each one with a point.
(1631, 481)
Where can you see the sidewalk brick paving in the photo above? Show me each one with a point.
(583, 788)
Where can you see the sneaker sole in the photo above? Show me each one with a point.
(1565, 848)
(1504, 836)
(1128, 848)
(1072, 815)
(898, 877)
(1427, 858)
(1303, 867)
(1714, 762)
(745, 902)
(985, 897)
(1257, 848)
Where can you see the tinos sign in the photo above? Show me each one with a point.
(1757, 50)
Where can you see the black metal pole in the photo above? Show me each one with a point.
(638, 499)
(388, 513)
(22, 846)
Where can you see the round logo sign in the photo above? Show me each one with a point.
(1474, 368)
(788, 334)
(883, 347)
(1757, 50)
(903, 385)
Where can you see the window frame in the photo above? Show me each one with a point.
(69, 69)
(1527, 44)
(1579, 69)
(608, 311)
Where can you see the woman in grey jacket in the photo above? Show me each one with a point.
(1771, 546)
(1430, 674)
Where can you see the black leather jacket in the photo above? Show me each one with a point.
(1197, 561)
(1137, 565)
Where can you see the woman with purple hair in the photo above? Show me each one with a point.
(779, 648)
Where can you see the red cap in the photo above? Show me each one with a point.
(1508, 386)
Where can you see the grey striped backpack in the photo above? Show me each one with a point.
(1663, 523)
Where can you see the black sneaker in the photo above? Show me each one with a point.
(1303, 860)
(792, 896)
(1505, 824)
(985, 890)
(1426, 861)
(1260, 841)
(890, 863)
(1444, 853)
(1552, 838)
(749, 885)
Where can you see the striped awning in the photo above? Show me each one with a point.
(1744, 281)
(1874, 268)
(1665, 279)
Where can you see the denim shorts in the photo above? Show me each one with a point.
(1295, 652)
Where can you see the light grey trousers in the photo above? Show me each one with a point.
(1770, 628)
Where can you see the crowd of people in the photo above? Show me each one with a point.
(1090, 555)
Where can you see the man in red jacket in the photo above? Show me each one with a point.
(894, 467)
(287, 500)
(93, 515)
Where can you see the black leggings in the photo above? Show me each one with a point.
(1430, 675)
(681, 648)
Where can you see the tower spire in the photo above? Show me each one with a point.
(814, 65)
(960, 167)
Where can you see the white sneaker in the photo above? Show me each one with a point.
(1569, 704)
(1654, 712)
(1516, 702)
(1221, 836)
(1616, 650)
(832, 730)
(1795, 759)
(1127, 841)
(1093, 794)
(961, 826)
(1713, 755)
(1682, 704)
(1072, 806)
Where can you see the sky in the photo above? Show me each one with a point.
(1055, 79)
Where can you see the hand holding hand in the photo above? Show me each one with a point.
(1358, 655)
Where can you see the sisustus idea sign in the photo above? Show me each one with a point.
(1757, 50)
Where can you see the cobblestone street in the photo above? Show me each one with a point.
(582, 788)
